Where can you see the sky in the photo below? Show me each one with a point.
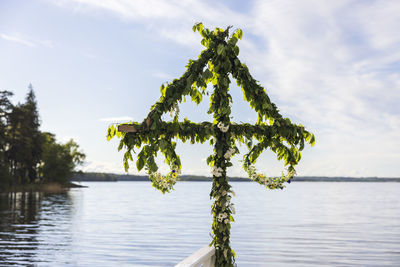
(333, 66)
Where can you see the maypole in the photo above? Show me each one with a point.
(214, 64)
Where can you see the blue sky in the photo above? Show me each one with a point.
(333, 66)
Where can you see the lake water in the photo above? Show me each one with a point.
(131, 224)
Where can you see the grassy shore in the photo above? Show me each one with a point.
(47, 188)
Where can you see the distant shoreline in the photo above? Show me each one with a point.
(111, 177)
(46, 188)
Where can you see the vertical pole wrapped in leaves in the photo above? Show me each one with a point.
(152, 135)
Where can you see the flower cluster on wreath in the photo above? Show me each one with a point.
(269, 182)
(165, 183)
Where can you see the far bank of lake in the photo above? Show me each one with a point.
(112, 177)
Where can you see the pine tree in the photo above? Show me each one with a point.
(17, 145)
(5, 108)
(32, 134)
(25, 139)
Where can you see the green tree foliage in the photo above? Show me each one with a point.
(16, 144)
(215, 64)
(58, 160)
(5, 108)
(24, 139)
(31, 129)
(24, 150)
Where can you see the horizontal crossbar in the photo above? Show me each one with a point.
(187, 129)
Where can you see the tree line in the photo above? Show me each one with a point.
(28, 155)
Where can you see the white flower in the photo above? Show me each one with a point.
(226, 221)
(222, 216)
(224, 128)
(217, 174)
(229, 152)
(157, 176)
(216, 171)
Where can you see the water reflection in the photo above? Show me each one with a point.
(24, 217)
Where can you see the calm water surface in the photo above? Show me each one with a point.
(131, 224)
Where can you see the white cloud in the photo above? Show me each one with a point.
(165, 10)
(17, 39)
(333, 66)
(25, 40)
(171, 19)
(316, 73)
(117, 119)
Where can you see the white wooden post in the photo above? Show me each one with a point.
(204, 257)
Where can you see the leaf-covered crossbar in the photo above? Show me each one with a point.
(271, 131)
